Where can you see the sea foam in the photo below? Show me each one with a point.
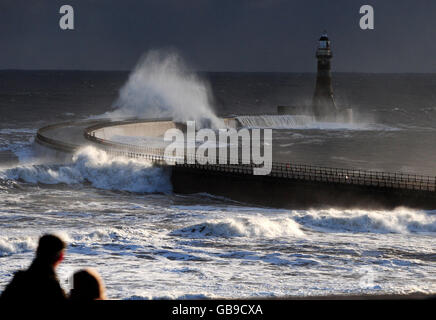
(255, 226)
(96, 167)
(16, 244)
(400, 220)
(303, 122)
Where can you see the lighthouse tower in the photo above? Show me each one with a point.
(324, 106)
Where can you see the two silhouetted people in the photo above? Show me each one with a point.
(39, 282)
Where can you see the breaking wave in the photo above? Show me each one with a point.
(400, 220)
(302, 122)
(103, 234)
(297, 223)
(83, 240)
(163, 86)
(16, 244)
(243, 227)
(96, 167)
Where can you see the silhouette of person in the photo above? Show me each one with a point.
(87, 285)
(39, 281)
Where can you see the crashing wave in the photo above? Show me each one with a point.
(243, 227)
(90, 165)
(400, 220)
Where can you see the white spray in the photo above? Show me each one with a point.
(162, 86)
(94, 166)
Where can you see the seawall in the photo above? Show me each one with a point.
(289, 185)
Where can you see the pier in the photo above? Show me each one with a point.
(289, 184)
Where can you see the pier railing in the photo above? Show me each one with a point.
(284, 170)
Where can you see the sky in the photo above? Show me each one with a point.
(223, 35)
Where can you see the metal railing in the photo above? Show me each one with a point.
(278, 169)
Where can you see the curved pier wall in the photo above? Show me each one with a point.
(52, 146)
(288, 185)
(50, 154)
(295, 193)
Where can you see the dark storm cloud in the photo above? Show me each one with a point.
(259, 35)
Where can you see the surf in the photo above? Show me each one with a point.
(96, 167)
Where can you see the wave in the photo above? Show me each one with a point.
(18, 141)
(10, 131)
(302, 122)
(106, 234)
(90, 165)
(297, 223)
(13, 245)
(400, 220)
(243, 227)
(83, 241)
(174, 296)
(161, 85)
(275, 121)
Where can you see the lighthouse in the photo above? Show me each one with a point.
(323, 105)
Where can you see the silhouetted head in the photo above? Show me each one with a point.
(87, 285)
(50, 249)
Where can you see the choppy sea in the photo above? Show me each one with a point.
(121, 217)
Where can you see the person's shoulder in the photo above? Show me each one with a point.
(15, 286)
(19, 276)
(51, 287)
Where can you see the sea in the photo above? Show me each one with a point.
(121, 217)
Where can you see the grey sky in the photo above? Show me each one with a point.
(257, 35)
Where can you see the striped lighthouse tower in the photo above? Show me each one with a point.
(323, 105)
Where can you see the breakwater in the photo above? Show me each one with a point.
(288, 185)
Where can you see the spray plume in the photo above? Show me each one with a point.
(161, 85)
